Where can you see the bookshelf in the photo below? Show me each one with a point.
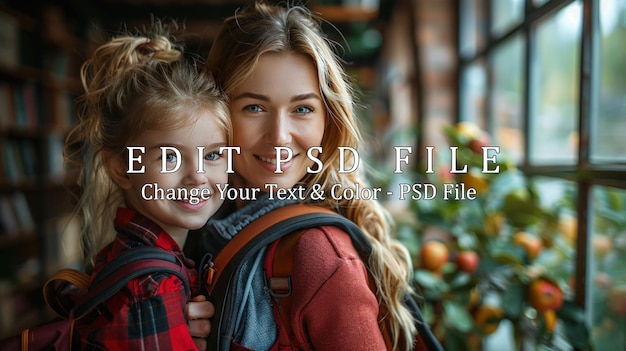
(39, 66)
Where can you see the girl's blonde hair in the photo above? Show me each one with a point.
(133, 83)
(264, 28)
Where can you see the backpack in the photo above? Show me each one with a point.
(69, 293)
(280, 230)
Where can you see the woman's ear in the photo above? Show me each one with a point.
(115, 166)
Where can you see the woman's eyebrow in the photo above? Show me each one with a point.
(252, 95)
(305, 96)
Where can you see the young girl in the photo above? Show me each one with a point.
(141, 97)
(287, 88)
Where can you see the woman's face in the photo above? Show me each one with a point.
(278, 105)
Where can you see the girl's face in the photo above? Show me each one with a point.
(278, 105)
(172, 212)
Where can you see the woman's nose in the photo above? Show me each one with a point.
(278, 130)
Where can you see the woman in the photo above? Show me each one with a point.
(287, 89)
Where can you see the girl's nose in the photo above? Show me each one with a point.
(195, 174)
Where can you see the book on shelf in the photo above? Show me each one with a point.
(15, 214)
(12, 162)
(29, 157)
(57, 62)
(65, 110)
(59, 106)
(8, 219)
(25, 102)
(9, 40)
(20, 160)
(22, 211)
(7, 110)
(30, 105)
(56, 163)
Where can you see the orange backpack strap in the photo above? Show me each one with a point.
(65, 285)
(251, 231)
(278, 270)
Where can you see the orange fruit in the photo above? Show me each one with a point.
(531, 244)
(473, 299)
(617, 300)
(493, 223)
(474, 179)
(487, 318)
(467, 261)
(433, 255)
(468, 130)
(567, 227)
(602, 245)
(545, 295)
(550, 319)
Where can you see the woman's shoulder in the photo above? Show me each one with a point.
(331, 237)
(326, 242)
(324, 258)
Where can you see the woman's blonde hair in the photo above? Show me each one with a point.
(132, 83)
(264, 28)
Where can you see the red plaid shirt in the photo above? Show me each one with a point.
(148, 313)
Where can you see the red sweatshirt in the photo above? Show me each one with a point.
(333, 306)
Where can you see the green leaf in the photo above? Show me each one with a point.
(455, 340)
(510, 254)
(458, 316)
(576, 330)
(461, 280)
(409, 238)
(513, 300)
(427, 279)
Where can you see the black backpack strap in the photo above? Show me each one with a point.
(424, 332)
(127, 266)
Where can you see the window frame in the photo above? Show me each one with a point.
(584, 174)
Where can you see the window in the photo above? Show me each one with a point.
(546, 80)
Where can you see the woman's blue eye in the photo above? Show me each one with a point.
(170, 158)
(303, 110)
(212, 156)
(253, 108)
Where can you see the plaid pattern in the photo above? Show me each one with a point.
(147, 314)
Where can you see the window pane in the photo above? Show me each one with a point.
(474, 94)
(559, 233)
(508, 97)
(505, 15)
(555, 89)
(560, 195)
(472, 27)
(538, 3)
(608, 269)
(607, 141)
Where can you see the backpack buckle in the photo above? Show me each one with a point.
(280, 286)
